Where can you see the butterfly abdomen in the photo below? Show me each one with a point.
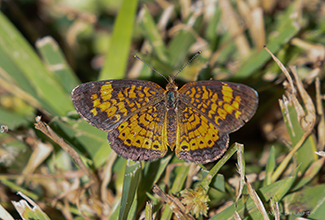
(171, 97)
(171, 128)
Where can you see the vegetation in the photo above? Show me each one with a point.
(57, 166)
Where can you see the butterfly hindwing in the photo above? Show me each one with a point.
(143, 136)
(198, 140)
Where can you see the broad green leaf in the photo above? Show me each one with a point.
(152, 35)
(12, 119)
(306, 202)
(118, 52)
(48, 92)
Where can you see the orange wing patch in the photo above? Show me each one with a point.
(143, 136)
(198, 140)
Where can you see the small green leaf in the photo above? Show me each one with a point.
(270, 166)
(130, 187)
(56, 62)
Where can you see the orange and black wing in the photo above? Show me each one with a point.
(130, 110)
(198, 140)
(143, 136)
(208, 112)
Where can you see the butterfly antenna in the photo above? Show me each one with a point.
(198, 53)
(136, 56)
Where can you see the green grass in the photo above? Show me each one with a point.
(68, 170)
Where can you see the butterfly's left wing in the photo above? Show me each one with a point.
(143, 136)
(132, 111)
(207, 112)
(106, 104)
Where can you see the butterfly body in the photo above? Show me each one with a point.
(142, 118)
(171, 99)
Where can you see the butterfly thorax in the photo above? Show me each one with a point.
(171, 99)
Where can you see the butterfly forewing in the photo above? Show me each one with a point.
(226, 105)
(106, 104)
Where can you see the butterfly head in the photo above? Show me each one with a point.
(171, 86)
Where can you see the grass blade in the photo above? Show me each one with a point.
(130, 187)
(118, 53)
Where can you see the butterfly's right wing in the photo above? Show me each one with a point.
(228, 106)
(207, 112)
(197, 139)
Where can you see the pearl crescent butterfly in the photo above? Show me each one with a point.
(142, 118)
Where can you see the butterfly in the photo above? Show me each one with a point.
(142, 118)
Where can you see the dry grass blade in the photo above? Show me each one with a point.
(284, 70)
(253, 16)
(25, 209)
(230, 18)
(275, 209)
(40, 153)
(4, 214)
(43, 127)
(240, 170)
(174, 204)
(107, 175)
(236, 216)
(320, 111)
(307, 120)
(320, 153)
(257, 200)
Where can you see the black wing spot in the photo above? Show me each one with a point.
(155, 146)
